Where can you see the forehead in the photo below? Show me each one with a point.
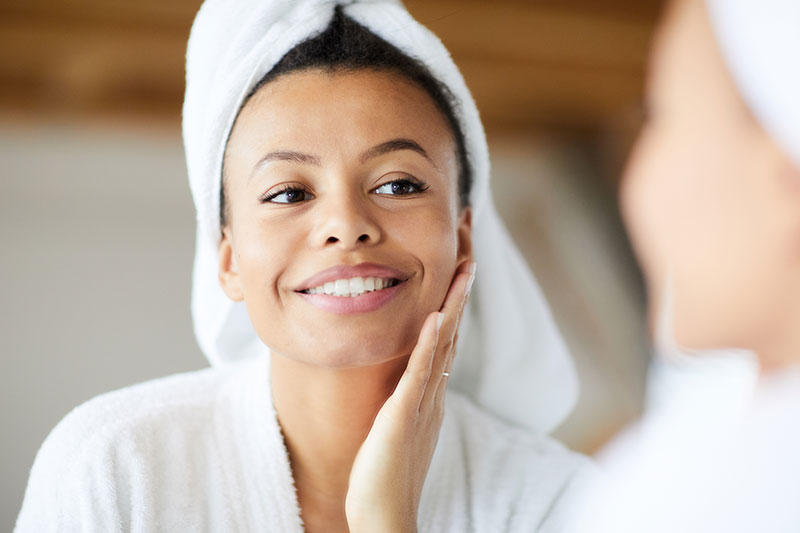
(324, 110)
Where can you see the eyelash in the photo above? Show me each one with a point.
(269, 197)
(417, 185)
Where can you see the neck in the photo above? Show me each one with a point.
(781, 347)
(325, 415)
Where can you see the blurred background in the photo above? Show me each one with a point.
(97, 223)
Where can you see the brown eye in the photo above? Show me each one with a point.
(401, 187)
(288, 195)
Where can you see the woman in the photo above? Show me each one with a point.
(711, 198)
(340, 175)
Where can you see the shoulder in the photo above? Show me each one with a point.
(104, 446)
(134, 409)
(524, 477)
(713, 457)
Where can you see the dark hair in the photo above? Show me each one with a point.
(346, 45)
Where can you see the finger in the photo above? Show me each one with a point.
(455, 293)
(438, 398)
(451, 354)
(453, 343)
(452, 309)
(413, 382)
(449, 324)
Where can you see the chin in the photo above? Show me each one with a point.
(360, 351)
(346, 347)
(346, 341)
(700, 328)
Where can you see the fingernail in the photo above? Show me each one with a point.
(471, 279)
(439, 321)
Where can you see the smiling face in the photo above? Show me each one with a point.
(328, 171)
(708, 198)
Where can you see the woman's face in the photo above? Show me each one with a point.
(709, 201)
(341, 182)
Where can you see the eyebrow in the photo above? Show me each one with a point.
(300, 158)
(393, 146)
(290, 156)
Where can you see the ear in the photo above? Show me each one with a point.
(464, 235)
(229, 277)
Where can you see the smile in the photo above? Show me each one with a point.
(352, 287)
(347, 289)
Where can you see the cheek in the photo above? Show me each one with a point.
(430, 238)
(697, 213)
(263, 251)
(646, 208)
(668, 205)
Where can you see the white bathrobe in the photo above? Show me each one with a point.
(721, 454)
(203, 451)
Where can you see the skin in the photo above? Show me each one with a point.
(712, 204)
(368, 385)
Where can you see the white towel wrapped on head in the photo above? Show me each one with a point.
(512, 359)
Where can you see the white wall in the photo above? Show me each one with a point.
(96, 244)
(96, 240)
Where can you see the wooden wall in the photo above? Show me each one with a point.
(555, 64)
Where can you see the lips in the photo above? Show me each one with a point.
(353, 289)
(337, 274)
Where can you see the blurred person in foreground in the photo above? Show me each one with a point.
(711, 199)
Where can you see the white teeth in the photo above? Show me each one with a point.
(356, 286)
(352, 286)
(342, 287)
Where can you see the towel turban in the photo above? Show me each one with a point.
(760, 42)
(511, 360)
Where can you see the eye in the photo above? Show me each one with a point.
(401, 187)
(287, 194)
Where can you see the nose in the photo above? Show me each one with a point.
(345, 221)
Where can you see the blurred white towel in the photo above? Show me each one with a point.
(705, 468)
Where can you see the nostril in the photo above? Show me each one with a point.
(332, 240)
(363, 238)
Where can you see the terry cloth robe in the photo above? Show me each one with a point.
(721, 454)
(203, 451)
